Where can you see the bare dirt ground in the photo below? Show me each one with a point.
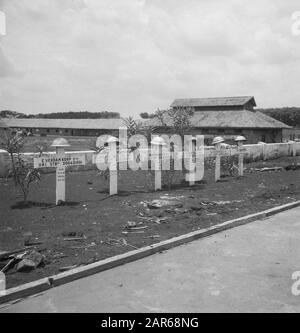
(100, 223)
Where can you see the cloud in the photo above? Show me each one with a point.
(131, 56)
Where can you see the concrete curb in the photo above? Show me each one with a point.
(38, 286)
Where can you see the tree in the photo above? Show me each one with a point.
(144, 115)
(22, 171)
(133, 127)
(289, 116)
(181, 118)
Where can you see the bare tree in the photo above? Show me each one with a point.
(181, 119)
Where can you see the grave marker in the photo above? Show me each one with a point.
(218, 153)
(113, 165)
(60, 161)
(156, 156)
(217, 143)
(240, 139)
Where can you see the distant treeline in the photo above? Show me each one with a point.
(289, 116)
(62, 115)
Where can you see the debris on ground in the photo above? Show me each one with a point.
(135, 228)
(119, 241)
(159, 220)
(25, 265)
(226, 202)
(59, 256)
(155, 219)
(166, 197)
(180, 211)
(8, 265)
(6, 255)
(131, 224)
(29, 240)
(265, 169)
(271, 169)
(132, 232)
(152, 237)
(74, 239)
(32, 242)
(159, 203)
(73, 236)
(293, 167)
(30, 261)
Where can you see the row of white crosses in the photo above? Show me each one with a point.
(60, 160)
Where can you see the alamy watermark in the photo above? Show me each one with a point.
(2, 23)
(296, 23)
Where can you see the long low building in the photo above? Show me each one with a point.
(65, 127)
(224, 116)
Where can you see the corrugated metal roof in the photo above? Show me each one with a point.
(215, 101)
(226, 119)
(64, 123)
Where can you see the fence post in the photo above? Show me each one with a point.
(265, 157)
(263, 150)
(217, 143)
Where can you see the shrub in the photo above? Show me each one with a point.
(23, 173)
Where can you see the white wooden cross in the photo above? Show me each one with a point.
(239, 150)
(108, 158)
(60, 161)
(113, 165)
(195, 156)
(156, 156)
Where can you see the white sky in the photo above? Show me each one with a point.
(133, 56)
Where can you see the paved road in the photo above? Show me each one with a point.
(245, 269)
